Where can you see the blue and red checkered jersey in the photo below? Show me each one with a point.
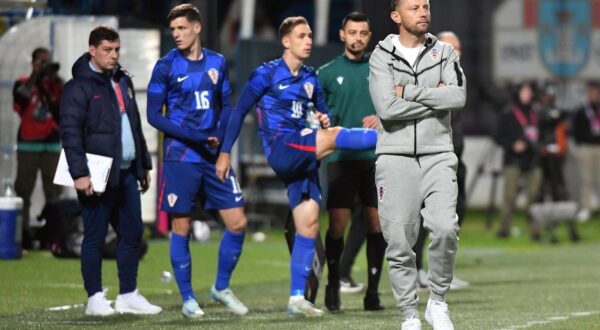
(281, 101)
(197, 99)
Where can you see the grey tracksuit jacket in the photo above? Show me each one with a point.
(417, 122)
(416, 168)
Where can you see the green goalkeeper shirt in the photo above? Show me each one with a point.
(345, 84)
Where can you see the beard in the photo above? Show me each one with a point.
(356, 48)
(416, 30)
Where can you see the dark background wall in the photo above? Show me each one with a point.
(470, 20)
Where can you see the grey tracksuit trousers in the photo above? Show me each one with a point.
(409, 188)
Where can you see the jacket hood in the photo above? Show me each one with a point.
(81, 69)
(386, 43)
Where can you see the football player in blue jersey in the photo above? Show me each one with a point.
(192, 82)
(285, 91)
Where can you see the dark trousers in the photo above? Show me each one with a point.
(28, 165)
(553, 181)
(121, 207)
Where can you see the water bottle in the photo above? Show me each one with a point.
(10, 222)
(312, 121)
(8, 190)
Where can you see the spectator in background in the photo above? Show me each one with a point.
(517, 134)
(586, 128)
(36, 100)
(553, 148)
(99, 115)
(461, 175)
(351, 174)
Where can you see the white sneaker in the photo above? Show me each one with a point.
(438, 316)
(191, 309)
(422, 280)
(228, 299)
(97, 305)
(412, 324)
(458, 284)
(300, 306)
(347, 285)
(135, 303)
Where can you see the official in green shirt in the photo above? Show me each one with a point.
(351, 174)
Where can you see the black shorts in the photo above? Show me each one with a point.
(348, 178)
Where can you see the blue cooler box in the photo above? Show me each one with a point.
(10, 227)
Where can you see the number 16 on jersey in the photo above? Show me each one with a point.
(202, 101)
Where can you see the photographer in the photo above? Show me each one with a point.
(553, 149)
(36, 100)
(518, 135)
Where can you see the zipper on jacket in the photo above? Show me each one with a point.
(394, 55)
(417, 84)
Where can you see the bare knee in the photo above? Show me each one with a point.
(235, 220)
(180, 225)
(336, 228)
(238, 225)
(308, 228)
(371, 218)
(338, 220)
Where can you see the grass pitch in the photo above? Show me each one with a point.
(515, 284)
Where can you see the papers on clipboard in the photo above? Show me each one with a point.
(99, 167)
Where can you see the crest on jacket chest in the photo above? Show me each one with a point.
(434, 53)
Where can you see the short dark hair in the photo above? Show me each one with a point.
(394, 4)
(185, 10)
(102, 32)
(289, 24)
(37, 52)
(355, 16)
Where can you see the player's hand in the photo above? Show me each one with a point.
(399, 90)
(441, 84)
(519, 146)
(370, 122)
(213, 141)
(145, 181)
(223, 166)
(84, 185)
(324, 119)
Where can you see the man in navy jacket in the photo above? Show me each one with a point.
(99, 115)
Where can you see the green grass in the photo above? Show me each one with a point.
(514, 283)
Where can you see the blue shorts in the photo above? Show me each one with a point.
(293, 158)
(304, 188)
(184, 182)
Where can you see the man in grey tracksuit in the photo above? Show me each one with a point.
(415, 82)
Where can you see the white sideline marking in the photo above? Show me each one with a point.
(550, 320)
(63, 308)
(578, 314)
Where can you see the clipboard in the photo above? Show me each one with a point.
(99, 167)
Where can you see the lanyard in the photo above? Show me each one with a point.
(119, 95)
(592, 113)
(522, 119)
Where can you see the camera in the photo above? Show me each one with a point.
(50, 67)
